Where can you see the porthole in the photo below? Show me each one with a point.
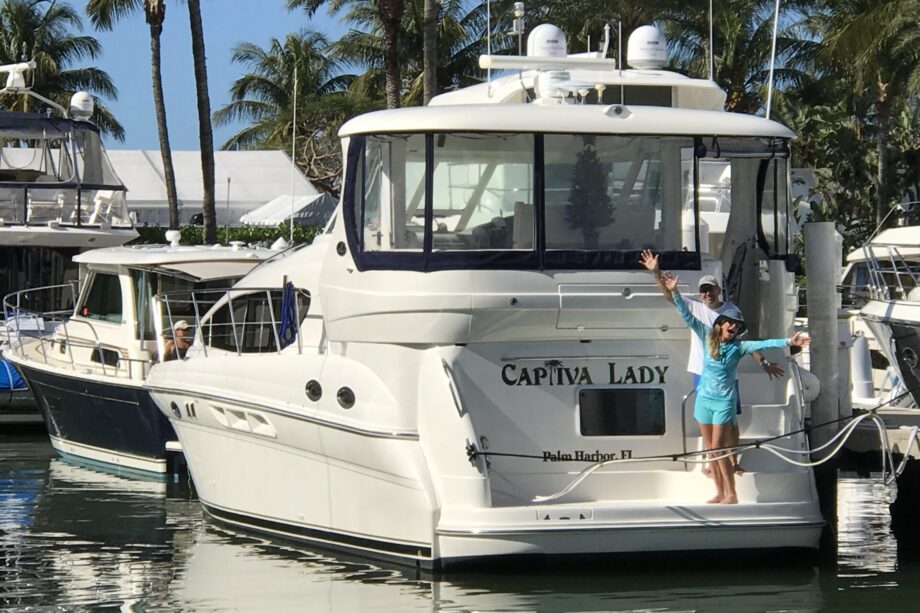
(346, 397)
(314, 390)
(175, 409)
(910, 357)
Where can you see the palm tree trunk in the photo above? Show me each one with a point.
(883, 108)
(390, 16)
(159, 105)
(205, 134)
(430, 51)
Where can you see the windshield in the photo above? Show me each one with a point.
(460, 200)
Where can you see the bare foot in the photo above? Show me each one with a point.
(729, 500)
(738, 470)
(715, 500)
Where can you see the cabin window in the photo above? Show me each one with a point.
(256, 322)
(147, 284)
(393, 217)
(532, 201)
(855, 286)
(103, 299)
(483, 192)
(621, 411)
(613, 193)
(774, 210)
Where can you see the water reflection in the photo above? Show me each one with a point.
(72, 537)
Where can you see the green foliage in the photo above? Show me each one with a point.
(47, 31)
(194, 235)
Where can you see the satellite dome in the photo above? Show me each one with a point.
(546, 40)
(81, 106)
(647, 48)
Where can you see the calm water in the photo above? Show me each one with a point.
(75, 538)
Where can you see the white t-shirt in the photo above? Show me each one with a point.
(707, 316)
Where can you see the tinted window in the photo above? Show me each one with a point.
(621, 412)
(103, 299)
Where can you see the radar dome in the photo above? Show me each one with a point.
(81, 106)
(647, 49)
(546, 40)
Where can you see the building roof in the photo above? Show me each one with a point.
(255, 177)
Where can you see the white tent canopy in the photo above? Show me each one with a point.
(243, 181)
(312, 210)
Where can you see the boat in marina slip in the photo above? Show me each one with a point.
(86, 367)
(891, 310)
(470, 361)
(58, 196)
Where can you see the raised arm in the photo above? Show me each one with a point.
(799, 339)
(669, 282)
(650, 261)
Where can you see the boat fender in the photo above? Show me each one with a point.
(811, 387)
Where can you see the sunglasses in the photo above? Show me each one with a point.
(705, 289)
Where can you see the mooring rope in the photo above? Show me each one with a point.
(837, 441)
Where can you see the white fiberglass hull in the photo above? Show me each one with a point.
(261, 460)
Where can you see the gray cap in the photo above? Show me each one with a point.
(181, 325)
(732, 313)
(708, 280)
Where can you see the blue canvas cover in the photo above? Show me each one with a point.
(10, 379)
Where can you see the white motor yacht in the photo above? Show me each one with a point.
(472, 362)
(58, 196)
(87, 367)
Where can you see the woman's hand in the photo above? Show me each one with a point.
(799, 339)
(669, 281)
(649, 260)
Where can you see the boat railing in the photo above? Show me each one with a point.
(57, 330)
(891, 276)
(246, 321)
(40, 204)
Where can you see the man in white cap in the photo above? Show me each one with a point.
(175, 347)
(706, 309)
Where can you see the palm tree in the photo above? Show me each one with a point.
(389, 13)
(743, 32)
(430, 50)
(42, 30)
(266, 94)
(460, 42)
(876, 42)
(104, 14)
(205, 134)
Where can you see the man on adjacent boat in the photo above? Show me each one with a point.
(707, 308)
(176, 346)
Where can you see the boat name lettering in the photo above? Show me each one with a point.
(586, 456)
(554, 373)
(638, 374)
(551, 373)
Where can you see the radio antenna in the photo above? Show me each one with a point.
(772, 59)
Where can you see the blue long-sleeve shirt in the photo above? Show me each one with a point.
(717, 380)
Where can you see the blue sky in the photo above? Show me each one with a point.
(126, 57)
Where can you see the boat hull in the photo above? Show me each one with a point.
(114, 425)
(403, 491)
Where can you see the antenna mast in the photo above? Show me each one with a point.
(293, 153)
(772, 59)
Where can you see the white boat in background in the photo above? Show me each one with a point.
(428, 380)
(87, 367)
(58, 196)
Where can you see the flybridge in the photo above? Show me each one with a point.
(548, 75)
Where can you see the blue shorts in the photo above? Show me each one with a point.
(713, 410)
(696, 384)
